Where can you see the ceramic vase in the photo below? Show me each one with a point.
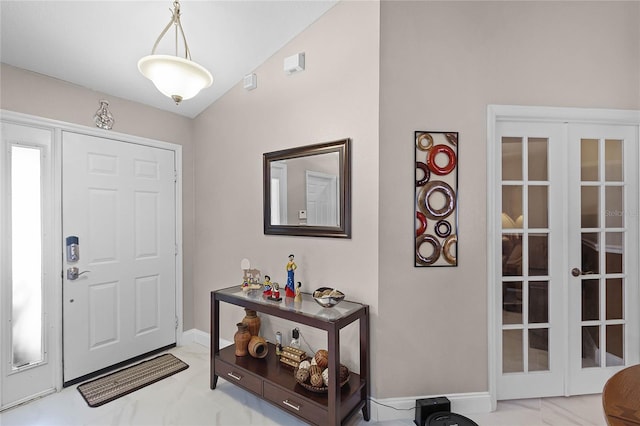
(258, 347)
(252, 320)
(241, 339)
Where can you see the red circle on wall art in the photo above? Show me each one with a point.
(423, 223)
(451, 163)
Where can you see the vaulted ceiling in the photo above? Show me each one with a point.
(97, 44)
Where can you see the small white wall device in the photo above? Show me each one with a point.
(294, 63)
(250, 81)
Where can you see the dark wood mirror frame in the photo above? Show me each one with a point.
(343, 230)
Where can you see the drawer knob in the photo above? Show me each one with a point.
(234, 376)
(289, 404)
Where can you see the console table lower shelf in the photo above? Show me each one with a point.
(272, 381)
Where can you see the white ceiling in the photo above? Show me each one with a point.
(97, 44)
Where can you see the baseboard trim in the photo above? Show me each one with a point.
(384, 408)
(202, 338)
(196, 336)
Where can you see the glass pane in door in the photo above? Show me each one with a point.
(590, 300)
(537, 162)
(614, 171)
(512, 302)
(512, 357)
(26, 256)
(538, 349)
(590, 346)
(538, 207)
(615, 345)
(615, 296)
(511, 158)
(589, 154)
(538, 302)
(590, 196)
(613, 207)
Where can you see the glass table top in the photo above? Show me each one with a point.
(308, 306)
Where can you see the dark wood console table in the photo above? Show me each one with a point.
(274, 382)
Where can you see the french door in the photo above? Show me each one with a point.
(564, 264)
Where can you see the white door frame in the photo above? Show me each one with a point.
(58, 127)
(526, 113)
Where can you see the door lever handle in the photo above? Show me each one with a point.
(73, 273)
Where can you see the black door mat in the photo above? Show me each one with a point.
(123, 382)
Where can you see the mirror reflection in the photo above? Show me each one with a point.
(304, 191)
(307, 190)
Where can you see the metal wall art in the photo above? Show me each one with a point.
(436, 214)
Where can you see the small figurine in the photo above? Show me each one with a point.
(298, 297)
(275, 294)
(250, 278)
(290, 290)
(267, 286)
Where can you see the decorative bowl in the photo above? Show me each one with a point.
(327, 297)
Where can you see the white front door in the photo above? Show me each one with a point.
(119, 202)
(566, 276)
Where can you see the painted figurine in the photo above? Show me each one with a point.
(275, 293)
(298, 297)
(290, 289)
(266, 286)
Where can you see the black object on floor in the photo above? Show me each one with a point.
(114, 385)
(427, 406)
(449, 419)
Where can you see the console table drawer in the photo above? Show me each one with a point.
(294, 404)
(239, 377)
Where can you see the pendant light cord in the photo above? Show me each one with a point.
(175, 20)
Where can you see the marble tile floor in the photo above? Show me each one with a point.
(185, 399)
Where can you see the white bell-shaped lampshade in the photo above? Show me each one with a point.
(175, 77)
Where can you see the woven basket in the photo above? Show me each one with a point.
(319, 389)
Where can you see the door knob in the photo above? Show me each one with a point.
(576, 272)
(73, 273)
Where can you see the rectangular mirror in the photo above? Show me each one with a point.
(307, 190)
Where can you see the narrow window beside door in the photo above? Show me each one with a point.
(26, 256)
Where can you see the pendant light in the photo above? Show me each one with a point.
(175, 77)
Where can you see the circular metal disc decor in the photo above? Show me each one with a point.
(435, 254)
(446, 249)
(424, 203)
(426, 173)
